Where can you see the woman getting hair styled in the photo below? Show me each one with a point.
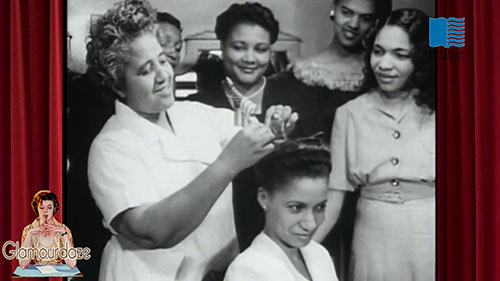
(293, 196)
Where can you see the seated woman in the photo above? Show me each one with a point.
(46, 232)
(293, 197)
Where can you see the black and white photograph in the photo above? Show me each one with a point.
(218, 140)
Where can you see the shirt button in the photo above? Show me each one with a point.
(394, 161)
(395, 182)
(396, 134)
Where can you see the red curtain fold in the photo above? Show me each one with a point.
(31, 116)
(487, 138)
(469, 146)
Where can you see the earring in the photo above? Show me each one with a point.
(332, 14)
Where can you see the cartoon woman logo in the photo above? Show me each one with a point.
(46, 233)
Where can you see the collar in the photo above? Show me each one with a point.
(310, 256)
(329, 75)
(143, 128)
(397, 114)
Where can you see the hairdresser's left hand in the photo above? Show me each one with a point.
(281, 120)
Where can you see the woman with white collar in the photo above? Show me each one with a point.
(293, 196)
(160, 171)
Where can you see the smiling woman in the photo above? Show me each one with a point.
(160, 171)
(384, 143)
(148, 87)
(246, 33)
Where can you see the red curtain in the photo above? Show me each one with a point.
(31, 115)
(469, 146)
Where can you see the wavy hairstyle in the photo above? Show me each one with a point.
(416, 24)
(247, 12)
(110, 36)
(44, 195)
(291, 160)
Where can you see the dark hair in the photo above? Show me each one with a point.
(168, 18)
(416, 24)
(293, 159)
(248, 12)
(382, 9)
(44, 195)
(108, 48)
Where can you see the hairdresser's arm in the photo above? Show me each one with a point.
(167, 222)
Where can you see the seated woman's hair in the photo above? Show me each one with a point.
(291, 160)
(110, 35)
(44, 195)
(416, 24)
(248, 13)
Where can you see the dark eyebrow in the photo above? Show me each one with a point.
(295, 202)
(394, 50)
(401, 50)
(347, 8)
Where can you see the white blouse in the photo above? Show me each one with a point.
(264, 260)
(372, 143)
(134, 162)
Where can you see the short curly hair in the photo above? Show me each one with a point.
(294, 159)
(247, 12)
(110, 36)
(414, 22)
(42, 195)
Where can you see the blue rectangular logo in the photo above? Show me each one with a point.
(447, 32)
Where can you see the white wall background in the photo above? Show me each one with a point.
(307, 19)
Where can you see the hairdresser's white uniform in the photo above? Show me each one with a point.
(134, 162)
(264, 260)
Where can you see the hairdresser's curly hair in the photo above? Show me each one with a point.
(416, 24)
(248, 12)
(294, 159)
(44, 195)
(110, 36)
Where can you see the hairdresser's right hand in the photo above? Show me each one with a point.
(247, 147)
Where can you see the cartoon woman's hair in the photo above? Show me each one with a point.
(44, 195)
